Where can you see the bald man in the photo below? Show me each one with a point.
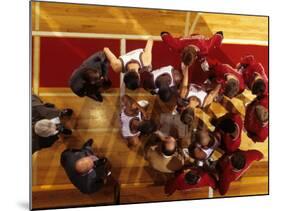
(84, 169)
(166, 156)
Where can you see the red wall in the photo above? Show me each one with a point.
(60, 56)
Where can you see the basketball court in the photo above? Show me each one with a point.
(63, 35)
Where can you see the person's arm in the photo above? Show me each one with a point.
(160, 135)
(184, 85)
(147, 54)
(128, 101)
(211, 96)
(173, 43)
(115, 63)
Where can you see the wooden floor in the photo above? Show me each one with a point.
(117, 20)
(137, 181)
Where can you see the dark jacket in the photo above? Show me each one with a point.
(41, 110)
(78, 84)
(88, 183)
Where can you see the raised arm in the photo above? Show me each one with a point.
(147, 54)
(115, 63)
(184, 85)
(173, 43)
(212, 94)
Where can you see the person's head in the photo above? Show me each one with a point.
(187, 116)
(189, 55)
(169, 146)
(133, 66)
(191, 178)
(238, 160)
(45, 128)
(90, 75)
(177, 76)
(84, 165)
(147, 127)
(258, 87)
(231, 87)
(203, 137)
(228, 126)
(261, 114)
(165, 93)
(132, 80)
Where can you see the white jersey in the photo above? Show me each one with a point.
(197, 91)
(125, 124)
(134, 55)
(161, 71)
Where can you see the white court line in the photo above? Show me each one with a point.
(122, 52)
(186, 26)
(133, 37)
(194, 23)
(66, 94)
(210, 193)
(113, 130)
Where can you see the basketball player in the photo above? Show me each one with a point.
(203, 147)
(165, 155)
(132, 64)
(229, 128)
(197, 47)
(232, 167)
(256, 119)
(230, 79)
(134, 121)
(193, 96)
(164, 81)
(190, 179)
(254, 75)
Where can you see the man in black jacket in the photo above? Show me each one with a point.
(46, 123)
(91, 78)
(86, 171)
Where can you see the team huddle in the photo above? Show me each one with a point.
(188, 162)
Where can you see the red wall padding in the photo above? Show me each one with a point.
(60, 56)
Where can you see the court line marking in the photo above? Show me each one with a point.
(52, 94)
(210, 193)
(133, 37)
(187, 22)
(194, 23)
(113, 130)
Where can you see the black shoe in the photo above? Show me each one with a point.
(214, 122)
(220, 32)
(49, 105)
(97, 97)
(66, 112)
(65, 130)
(88, 143)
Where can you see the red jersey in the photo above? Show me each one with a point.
(204, 44)
(228, 143)
(251, 69)
(179, 182)
(257, 131)
(221, 72)
(228, 174)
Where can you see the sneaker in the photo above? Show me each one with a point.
(66, 112)
(65, 131)
(97, 96)
(88, 143)
(220, 32)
